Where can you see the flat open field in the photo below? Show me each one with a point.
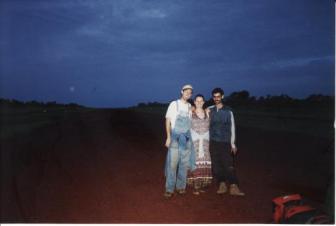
(106, 166)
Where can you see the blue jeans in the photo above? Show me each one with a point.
(178, 162)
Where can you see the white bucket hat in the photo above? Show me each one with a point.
(186, 87)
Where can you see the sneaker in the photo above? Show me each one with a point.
(168, 195)
(222, 188)
(234, 190)
(181, 191)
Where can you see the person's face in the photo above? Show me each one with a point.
(217, 97)
(186, 94)
(199, 102)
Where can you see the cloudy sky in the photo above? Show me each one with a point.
(116, 53)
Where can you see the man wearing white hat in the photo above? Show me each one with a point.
(178, 124)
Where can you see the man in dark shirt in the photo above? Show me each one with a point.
(222, 145)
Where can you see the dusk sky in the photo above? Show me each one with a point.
(117, 53)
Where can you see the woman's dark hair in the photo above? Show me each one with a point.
(199, 95)
(192, 101)
(217, 90)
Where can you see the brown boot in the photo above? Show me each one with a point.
(222, 188)
(234, 190)
(196, 192)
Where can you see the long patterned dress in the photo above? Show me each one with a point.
(201, 176)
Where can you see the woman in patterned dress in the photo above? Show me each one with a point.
(200, 176)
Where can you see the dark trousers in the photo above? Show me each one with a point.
(222, 162)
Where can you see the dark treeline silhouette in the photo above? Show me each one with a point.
(16, 103)
(152, 104)
(243, 98)
(239, 98)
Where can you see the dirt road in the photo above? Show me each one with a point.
(107, 167)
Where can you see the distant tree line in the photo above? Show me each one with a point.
(16, 103)
(152, 104)
(238, 98)
(243, 97)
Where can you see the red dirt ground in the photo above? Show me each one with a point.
(107, 167)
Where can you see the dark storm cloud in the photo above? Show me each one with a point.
(128, 50)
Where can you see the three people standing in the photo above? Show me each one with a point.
(190, 135)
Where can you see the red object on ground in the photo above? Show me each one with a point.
(281, 203)
(291, 209)
(296, 210)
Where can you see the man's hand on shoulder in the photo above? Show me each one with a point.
(193, 109)
(207, 111)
